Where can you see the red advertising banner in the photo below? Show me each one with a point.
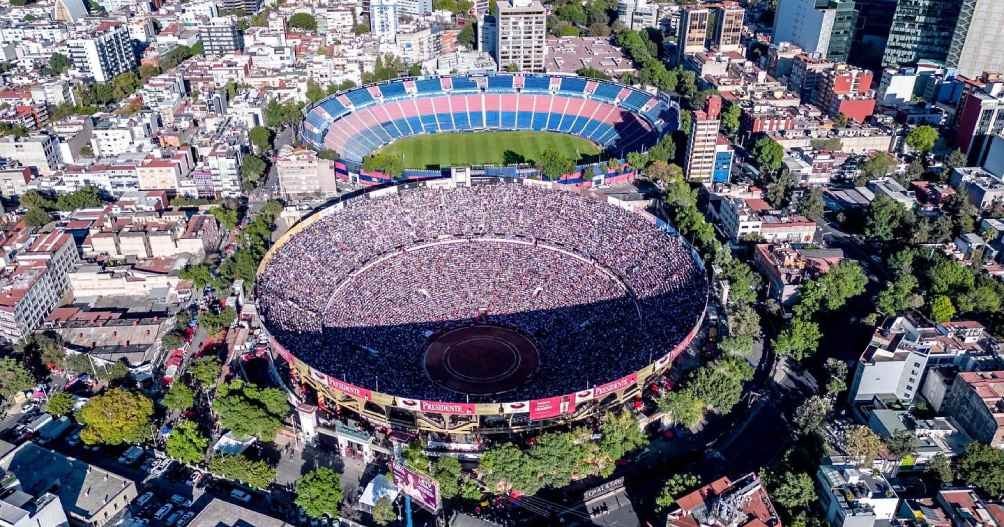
(613, 386)
(349, 389)
(435, 407)
(422, 488)
(545, 408)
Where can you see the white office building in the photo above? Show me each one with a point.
(105, 53)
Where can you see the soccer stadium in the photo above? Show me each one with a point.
(488, 305)
(611, 119)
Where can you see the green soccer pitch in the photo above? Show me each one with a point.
(477, 148)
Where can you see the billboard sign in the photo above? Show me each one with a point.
(614, 386)
(435, 407)
(545, 408)
(349, 389)
(422, 488)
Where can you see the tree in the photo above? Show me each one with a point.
(899, 295)
(880, 164)
(304, 21)
(14, 378)
(794, 491)
(383, 511)
(506, 467)
(179, 397)
(768, 154)
(319, 493)
(36, 217)
(884, 218)
(941, 468)
(248, 410)
(779, 189)
(682, 407)
(187, 443)
(720, 383)
(811, 414)
(591, 73)
(59, 63)
(831, 290)
(60, 404)
(902, 443)
(253, 473)
(862, 444)
(942, 309)
(252, 169)
(955, 160)
(261, 138)
(226, 216)
(922, 138)
(205, 371)
(621, 434)
(328, 154)
(213, 322)
(799, 340)
(468, 36)
(982, 466)
(662, 171)
(116, 417)
(675, 487)
(836, 376)
(812, 205)
(553, 164)
(447, 471)
(730, 119)
(949, 277)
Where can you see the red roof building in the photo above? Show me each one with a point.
(739, 503)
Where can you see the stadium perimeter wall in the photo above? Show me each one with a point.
(450, 417)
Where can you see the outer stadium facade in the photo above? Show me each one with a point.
(625, 323)
(618, 118)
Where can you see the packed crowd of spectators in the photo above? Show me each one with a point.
(601, 290)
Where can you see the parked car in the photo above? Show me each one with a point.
(144, 499)
(181, 501)
(131, 456)
(240, 495)
(163, 512)
(186, 518)
(173, 519)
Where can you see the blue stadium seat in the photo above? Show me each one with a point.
(477, 119)
(636, 100)
(426, 86)
(393, 90)
(360, 97)
(381, 134)
(566, 123)
(553, 120)
(523, 119)
(500, 83)
(429, 123)
(606, 92)
(572, 85)
(508, 119)
(415, 124)
(578, 124)
(317, 120)
(492, 119)
(391, 130)
(591, 126)
(539, 121)
(334, 108)
(464, 84)
(462, 120)
(537, 83)
(403, 128)
(445, 121)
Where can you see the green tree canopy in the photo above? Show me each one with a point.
(252, 169)
(319, 493)
(253, 473)
(179, 397)
(249, 410)
(682, 407)
(677, 486)
(884, 218)
(942, 309)
(59, 404)
(226, 216)
(922, 138)
(36, 217)
(982, 466)
(811, 414)
(14, 378)
(116, 417)
(730, 119)
(553, 164)
(205, 370)
(719, 384)
(261, 138)
(59, 63)
(187, 443)
(863, 444)
(768, 154)
(383, 511)
(304, 21)
(880, 164)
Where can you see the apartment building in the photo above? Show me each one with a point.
(303, 174)
(521, 35)
(219, 36)
(105, 52)
(702, 141)
(38, 151)
(976, 402)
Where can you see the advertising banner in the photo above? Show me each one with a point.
(614, 386)
(422, 488)
(545, 408)
(583, 396)
(435, 407)
(407, 404)
(515, 408)
(349, 389)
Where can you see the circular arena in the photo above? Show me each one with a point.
(617, 118)
(451, 306)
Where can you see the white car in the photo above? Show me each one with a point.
(181, 501)
(163, 512)
(185, 518)
(240, 495)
